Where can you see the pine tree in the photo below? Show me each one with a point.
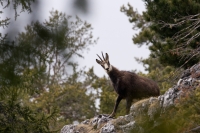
(35, 75)
(158, 36)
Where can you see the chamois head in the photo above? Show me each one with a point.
(104, 63)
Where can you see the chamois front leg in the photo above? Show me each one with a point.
(128, 105)
(115, 108)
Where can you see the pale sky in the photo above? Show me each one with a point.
(115, 36)
(110, 25)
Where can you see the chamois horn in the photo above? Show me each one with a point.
(99, 57)
(103, 56)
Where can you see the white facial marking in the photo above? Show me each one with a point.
(107, 69)
(106, 66)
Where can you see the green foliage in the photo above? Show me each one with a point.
(15, 117)
(60, 40)
(159, 37)
(182, 117)
(158, 32)
(72, 98)
(41, 87)
(46, 50)
(24, 4)
(165, 76)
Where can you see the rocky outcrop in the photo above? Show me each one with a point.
(188, 82)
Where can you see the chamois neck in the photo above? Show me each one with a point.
(114, 74)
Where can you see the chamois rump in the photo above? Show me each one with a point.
(127, 85)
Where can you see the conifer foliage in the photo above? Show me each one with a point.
(167, 27)
(41, 88)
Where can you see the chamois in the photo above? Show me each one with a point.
(127, 85)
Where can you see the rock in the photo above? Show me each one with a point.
(108, 128)
(188, 82)
(68, 129)
(195, 130)
(86, 122)
(99, 120)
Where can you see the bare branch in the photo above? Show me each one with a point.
(185, 36)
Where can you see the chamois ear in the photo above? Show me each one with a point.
(98, 61)
(107, 57)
